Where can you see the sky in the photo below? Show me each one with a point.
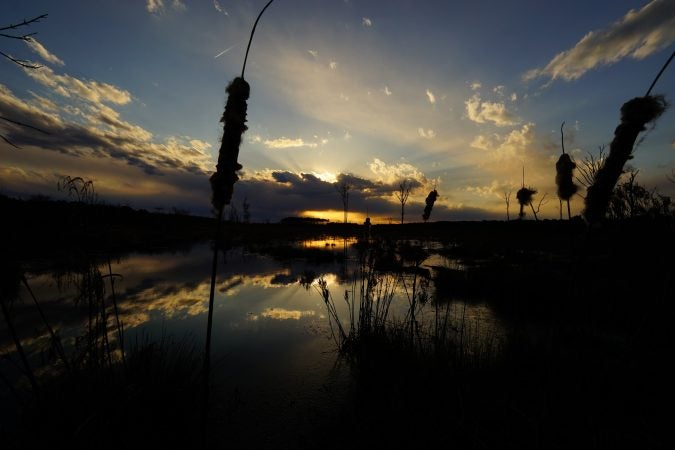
(454, 95)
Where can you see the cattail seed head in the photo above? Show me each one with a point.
(234, 120)
(563, 179)
(635, 115)
(430, 200)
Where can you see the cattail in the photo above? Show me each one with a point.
(635, 115)
(234, 120)
(430, 200)
(524, 196)
(563, 177)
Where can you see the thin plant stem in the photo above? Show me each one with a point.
(55, 339)
(250, 39)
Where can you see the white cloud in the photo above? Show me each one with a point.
(314, 53)
(155, 6)
(431, 97)
(45, 54)
(483, 112)
(219, 7)
(393, 173)
(69, 86)
(637, 35)
(158, 6)
(366, 22)
(499, 90)
(426, 134)
(333, 65)
(514, 97)
(387, 91)
(476, 85)
(285, 314)
(510, 147)
(284, 142)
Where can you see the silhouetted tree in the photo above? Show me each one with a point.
(630, 199)
(507, 200)
(402, 195)
(564, 174)
(542, 202)
(635, 115)
(430, 200)
(343, 188)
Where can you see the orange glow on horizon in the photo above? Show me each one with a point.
(335, 215)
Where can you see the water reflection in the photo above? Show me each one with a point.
(266, 309)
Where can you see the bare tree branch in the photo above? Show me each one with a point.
(21, 62)
(24, 37)
(24, 23)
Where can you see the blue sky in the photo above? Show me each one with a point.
(457, 95)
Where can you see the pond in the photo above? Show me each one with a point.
(272, 341)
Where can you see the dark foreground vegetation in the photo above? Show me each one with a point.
(585, 362)
(584, 359)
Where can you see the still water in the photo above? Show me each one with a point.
(272, 342)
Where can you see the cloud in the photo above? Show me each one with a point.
(68, 86)
(158, 6)
(483, 112)
(476, 85)
(426, 134)
(499, 90)
(219, 8)
(45, 54)
(387, 91)
(155, 6)
(431, 97)
(510, 146)
(514, 97)
(178, 5)
(393, 173)
(285, 314)
(333, 65)
(314, 53)
(284, 142)
(637, 35)
(96, 130)
(366, 22)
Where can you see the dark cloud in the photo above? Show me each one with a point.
(102, 134)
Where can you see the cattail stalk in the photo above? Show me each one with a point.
(525, 196)
(222, 181)
(564, 175)
(635, 115)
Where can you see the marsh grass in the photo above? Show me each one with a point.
(152, 400)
